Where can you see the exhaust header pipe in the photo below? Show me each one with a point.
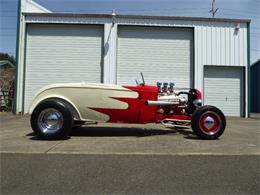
(159, 103)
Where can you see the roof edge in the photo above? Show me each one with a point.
(63, 14)
(256, 62)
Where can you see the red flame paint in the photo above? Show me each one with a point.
(128, 115)
(137, 111)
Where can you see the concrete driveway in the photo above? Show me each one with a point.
(130, 159)
(240, 138)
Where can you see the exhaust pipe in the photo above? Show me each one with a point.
(159, 103)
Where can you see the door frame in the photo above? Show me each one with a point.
(242, 86)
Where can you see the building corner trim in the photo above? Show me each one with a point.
(248, 73)
(109, 53)
(14, 106)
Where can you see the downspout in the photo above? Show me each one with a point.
(248, 72)
(14, 106)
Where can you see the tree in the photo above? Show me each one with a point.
(6, 56)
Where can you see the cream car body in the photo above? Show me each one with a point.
(83, 96)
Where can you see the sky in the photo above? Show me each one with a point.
(242, 9)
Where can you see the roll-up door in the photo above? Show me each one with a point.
(223, 88)
(162, 54)
(61, 54)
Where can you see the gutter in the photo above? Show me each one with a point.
(154, 17)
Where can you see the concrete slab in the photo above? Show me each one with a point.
(242, 136)
(255, 115)
(129, 174)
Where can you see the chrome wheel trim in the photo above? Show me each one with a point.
(50, 121)
(210, 124)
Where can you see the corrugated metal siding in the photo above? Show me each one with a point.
(162, 54)
(58, 53)
(218, 44)
(223, 88)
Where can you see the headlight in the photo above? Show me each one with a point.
(197, 102)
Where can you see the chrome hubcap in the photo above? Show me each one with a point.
(209, 122)
(50, 121)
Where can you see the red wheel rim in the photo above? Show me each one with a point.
(210, 123)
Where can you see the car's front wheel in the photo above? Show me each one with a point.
(208, 122)
(51, 119)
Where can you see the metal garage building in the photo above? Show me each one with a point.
(209, 54)
(255, 86)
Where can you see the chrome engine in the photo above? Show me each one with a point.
(167, 92)
(171, 100)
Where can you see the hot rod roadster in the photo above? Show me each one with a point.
(58, 108)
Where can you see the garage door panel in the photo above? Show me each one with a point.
(61, 53)
(223, 88)
(127, 32)
(160, 53)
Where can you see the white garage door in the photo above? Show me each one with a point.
(61, 53)
(223, 87)
(162, 54)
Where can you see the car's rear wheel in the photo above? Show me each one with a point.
(51, 119)
(208, 122)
